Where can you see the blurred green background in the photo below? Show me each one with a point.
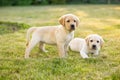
(54, 2)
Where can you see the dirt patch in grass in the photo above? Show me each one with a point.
(11, 27)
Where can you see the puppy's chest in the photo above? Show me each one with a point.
(69, 37)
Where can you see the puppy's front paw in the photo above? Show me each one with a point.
(85, 57)
(26, 56)
(45, 51)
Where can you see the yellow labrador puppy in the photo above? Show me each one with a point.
(91, 44)
(60, 35)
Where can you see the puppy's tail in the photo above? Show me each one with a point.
(29, 31)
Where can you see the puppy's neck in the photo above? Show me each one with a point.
(93, 51)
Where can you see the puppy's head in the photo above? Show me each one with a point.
(69, 21)
(94, 42)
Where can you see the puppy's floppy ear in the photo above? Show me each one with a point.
(77, 21)
(101, 41)
(62, 20)
(87, 40)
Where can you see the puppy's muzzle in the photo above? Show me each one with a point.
(94, 47)
(72, 27)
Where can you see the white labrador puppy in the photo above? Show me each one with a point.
(60, 35)
(91, 44)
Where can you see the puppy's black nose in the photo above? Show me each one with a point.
(94, 46)
(72, 26)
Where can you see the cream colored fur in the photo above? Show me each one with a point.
(91, 44)
(59, 35)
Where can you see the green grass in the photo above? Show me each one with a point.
(101, 19)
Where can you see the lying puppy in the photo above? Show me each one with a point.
(60, 35)
(91, 44)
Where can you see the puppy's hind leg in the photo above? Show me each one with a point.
(30, 46)
(42, 47)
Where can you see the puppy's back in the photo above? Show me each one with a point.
(76, 44)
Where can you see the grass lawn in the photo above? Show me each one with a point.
(101, 19)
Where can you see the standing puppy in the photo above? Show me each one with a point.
(91, 44)
(60, 35)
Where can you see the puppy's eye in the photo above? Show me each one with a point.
(74, 20)
(91, 40)
(98, 41)
(68, 20)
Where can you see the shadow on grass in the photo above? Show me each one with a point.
(11, 27)
(117, 26)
